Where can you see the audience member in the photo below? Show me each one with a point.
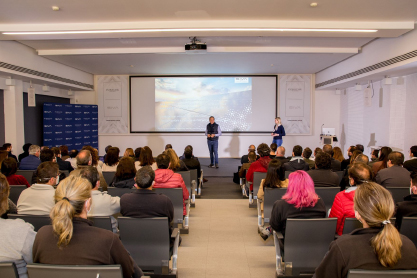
(411, 165)
(9, 168)
(175, 164)
(245, 166)
(316, 151)
(32, 161)
(346, 162)
(182, 157)
(137, 153)
(9, 149)
(146, 159)
(273, 148)
(44, 148)
(374, 157)
(39, 198)
(95, 159)
(296, 162)
(129, 153)
(125, 174)
(25, 152)
(85, 159)
(73, 158)
(360, 147)
(63, 165)
(273, 179)
(359, 173)
(166, 178)
(168, 146)
(377, 246)
(17, 236)
(72, 239)
(322, 175)
(337, 154)
(358, 157)
(280, 155)
(245, 158)
(261, 165)
(47, 155)
(191, 162)
(408, 207)
(112, 160)
(64, 152)
(300, 201)
(106, 149)
(395, 175)
(336, 165)
(382, 160)
(362, 158)
(306, 156)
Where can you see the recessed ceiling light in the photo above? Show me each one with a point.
(314, 4)
(132, 66)
(193, 30)
(55, 8)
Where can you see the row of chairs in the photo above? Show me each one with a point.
(27, 174)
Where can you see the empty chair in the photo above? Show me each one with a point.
(15, 191)
(108, 176)
(8, 270)
(70, 271)
(257, 178)
(351, 224)
(327, 194)
(360, 273)
(271, 195)
(103, 222)
(66, 172)
(409, 228)
(115, 191)
(306, 243)
(38, 221)
(27, 174)
(148, 242)
(398, 193)
(175, 195)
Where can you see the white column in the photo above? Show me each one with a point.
(13, 115)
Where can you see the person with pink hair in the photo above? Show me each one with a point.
(300, 201)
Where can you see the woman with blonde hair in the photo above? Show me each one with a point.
(278, 132)
(129, 153)
(337, 154)
(72, 239)
(176, 164)
(377, 246)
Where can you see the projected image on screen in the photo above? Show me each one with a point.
(186, 103)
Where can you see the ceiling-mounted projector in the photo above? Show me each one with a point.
(195, 47)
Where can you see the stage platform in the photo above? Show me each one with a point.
(227, 166)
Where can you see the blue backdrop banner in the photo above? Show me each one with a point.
(73, 125)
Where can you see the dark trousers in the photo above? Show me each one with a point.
(213, 146)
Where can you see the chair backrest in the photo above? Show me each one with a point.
(175, 195)
(409, 228)
(307, 241)
(108, 176)
(66, 172)
(27, 174)
(15, 191)
(257, 178)
(194, 175)
(340, 175)
(118, 192)
(398, 193)
(351, 224)
(103, 222)
(271, 195)
(361, 273)
(147, 240)
(70, 271)
(8, 270)
(327, 194)
(287, 174)
(186, 176)
(38, 221)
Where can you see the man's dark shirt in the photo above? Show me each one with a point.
(193, 163)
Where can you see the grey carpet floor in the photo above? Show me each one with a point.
(221, 188)
(227, 166)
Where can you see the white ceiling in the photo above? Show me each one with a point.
(291, 52)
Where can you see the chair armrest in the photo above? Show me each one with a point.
(279, 235)
(278, 257)
(193, 190)
(175, 234)
(259, 208)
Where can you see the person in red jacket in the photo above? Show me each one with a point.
(166, 178)
(261, 165)
(9, 169)
(342, 208)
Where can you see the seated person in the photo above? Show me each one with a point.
(395, 175)
(261, 165)
(72, 239)
(245, 158)
(280, 155)
(32, 161)
(63, 165)
(9, 148)
(361, 158)
(25, 152)
(273, 148)
(84, 159)
(145, 159)
(64, 152)
(175, 164)
(338, 155)
(245, 166)
(316, 151)
(73, 158)
(377, 246)
(182, 157)
(191, 162)
(374, 158)
(407, 208)
(306, 156)
(17, 236)
(342, 208)
(39, 198)
(112, 160)
(300, 201)
(382, 160)
(47, 155)
(322, 175)
(129, 153)
(336, 165)
(9, 168)
(125, 174)
(168, 146)
(166, 178)
(411, 165)
(296, 162)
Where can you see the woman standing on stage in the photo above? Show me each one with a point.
(279, 131)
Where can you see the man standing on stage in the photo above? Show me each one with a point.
(213, 132)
